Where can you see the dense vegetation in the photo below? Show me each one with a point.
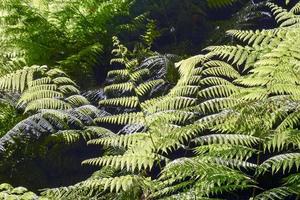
(91, 110)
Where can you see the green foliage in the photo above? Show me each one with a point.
(234, 111)
(71, 33)
(151, 34)
(220, 3)
(217, 126)
(52, 90)
(8, 192)
(9, 117)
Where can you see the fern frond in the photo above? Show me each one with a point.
(138, 75)
(262, 38)
(226, 151)
(120, 140)
(217, 104)
(55, 72)
(63, 80)
(17, 81)
(119, 72)
(129, 86)
(275, 193)
(47, 103)
(189, 90)
(116, 184)
(66, 89)
(68, 136)
(77, 100)
(122, 119)
(40, 81)
(174, 103)
(52, 87)
(283, 16)
(296, 8)
(89, 110)
(290, 121)
(238, 55)
(144, 88)
(100, 131)
(218, 91)
(219, 69)
(130, 162)
(33, 95)
(209, 178)
(220, 3)
(61, 119)
(214, 81)
(231, 139)
(283, 161)
(130, 102)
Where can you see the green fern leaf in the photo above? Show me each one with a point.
(130, 102)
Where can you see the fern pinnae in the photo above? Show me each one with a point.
(47, 103)
(61, 117)
(218, 91)
(175, 103)
(188, 90)
(214, 80)
(63, 80)
(130, 162)
(68, 136)
(122, 119)
(139, 74)
(275, 193)
(143, 88)
(77, 100)
(120, 72)
(100, 131)
(296, 8)
(128, 86)
(52, 87)
(33, 95)
(225, 70)
(40, 81)
(282, 161)
(11, 81)
(217, 104)
(232, 163)
(68, 89)
(238, 152)
(130, 102)
(120, 140)
(234, 139)
(55, 72)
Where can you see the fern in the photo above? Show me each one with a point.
(69, 33)
(220, 3)
(8, 191)
(275, 193)
(229, 119)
